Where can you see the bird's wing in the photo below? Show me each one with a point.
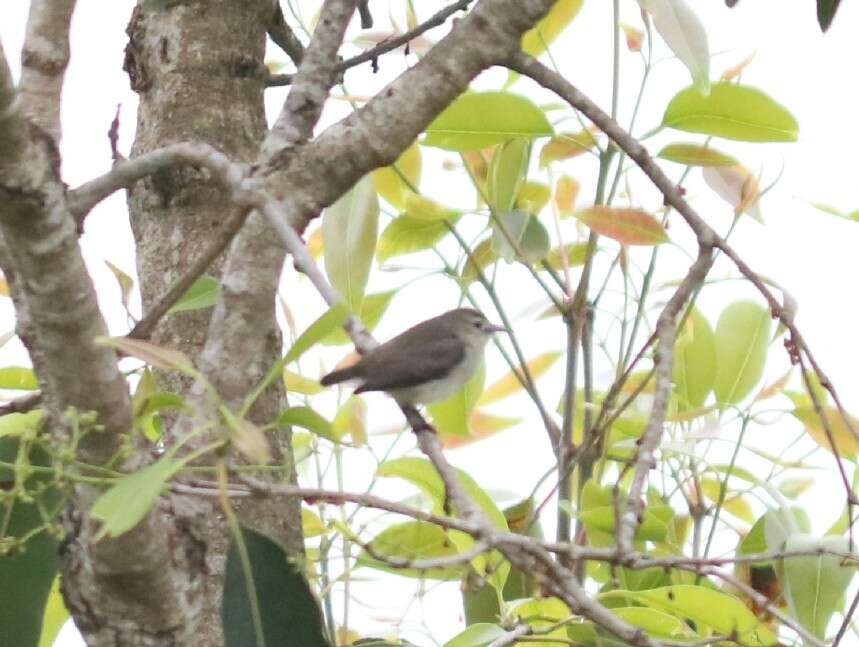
(401, 364)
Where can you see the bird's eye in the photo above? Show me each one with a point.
(477, 324)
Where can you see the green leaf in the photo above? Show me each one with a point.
(482, 119)
(742, 338)
(420, 207)
(21, 424)
(826, 12)
(125, 282)
(307, 418)
(576, 254)
(405, 235)
(626, 225)
(654, 527)
(410, 541)
(733, 112)
(421, 473)
(694, 362)
(507, 172)
(202, 294)
(543, 613)
(297, 383)
(814, 585)
(389, 183)
(451, 416)
(351, 420)
(656, 623)
(706, 607)
(476, 635)
(316, 332)
(538, 38)
(125, 504)
(349, 230)
(528, 235)
(311, 524)
(373, 308)
(533, 196)
(267, 600)
(18, 378)
(696, 155)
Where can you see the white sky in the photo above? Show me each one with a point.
(811, 254)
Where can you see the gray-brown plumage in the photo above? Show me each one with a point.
(428, 362)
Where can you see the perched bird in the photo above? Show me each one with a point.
(426, 363)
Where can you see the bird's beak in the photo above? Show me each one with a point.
(493, 328)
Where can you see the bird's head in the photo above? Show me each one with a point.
(471, 325)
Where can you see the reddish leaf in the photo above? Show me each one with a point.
(625, 225)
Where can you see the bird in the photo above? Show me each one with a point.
(427, 363)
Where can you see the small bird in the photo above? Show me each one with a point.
(427, 363)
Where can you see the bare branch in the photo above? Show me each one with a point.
(283, 36)
(311, 84)
(666, 333)
(126, 172)
(23, 404)
(388, 45)
(43, 62)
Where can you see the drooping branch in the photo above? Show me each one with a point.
(44, 59)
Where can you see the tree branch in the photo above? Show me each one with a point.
(44, 59)
(386, 46)
(283, 36)
(666, 333)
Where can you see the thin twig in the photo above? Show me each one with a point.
(382, 48)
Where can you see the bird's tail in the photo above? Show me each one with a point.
(340, 375)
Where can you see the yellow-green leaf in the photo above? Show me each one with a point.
(742, 339)
(481, 257)
(19, 378)
(202, 294)
(420, 207)
(695, 155)
(389, 183)
(410, 541)
(723, 613)
(566, 192)
(317, 331)
(538, 38)
(626, 225)
(509, 383)
(482, 425)
(349, 229)
(576, 253)
(297, 383)
(405, 235)
(311, 524)
(373, 308)
(533, 196)
(307, 418)
(846, 443)
(507, 173)
(451, 416)
(694, 362)
(125, 504)
(351, 420)
(731, 111)
(481, 119)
